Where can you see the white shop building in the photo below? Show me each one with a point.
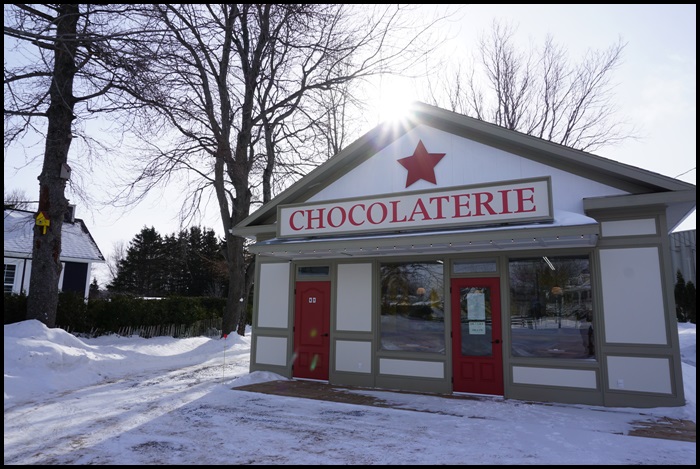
(448, 255)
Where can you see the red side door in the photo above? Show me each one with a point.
(477, 348)
(311, 330)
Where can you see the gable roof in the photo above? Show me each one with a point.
(77, 244)
(644, 187)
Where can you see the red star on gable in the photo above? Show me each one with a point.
(421, 165)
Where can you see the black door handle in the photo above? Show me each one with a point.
(497, 341)
(325, 335)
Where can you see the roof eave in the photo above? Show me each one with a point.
(628, 178)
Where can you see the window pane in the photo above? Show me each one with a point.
(469, 267)
(412, 307)
(314, 271)
(10, 270)
(476, 321)
(551, 308)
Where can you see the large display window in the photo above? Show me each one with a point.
(412, 306)
(551, 307)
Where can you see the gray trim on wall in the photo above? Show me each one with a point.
(650, 196)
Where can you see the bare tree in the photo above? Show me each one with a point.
(237, 82)
(17, 199)
(117, 255)
(539, 93)
(63, 48)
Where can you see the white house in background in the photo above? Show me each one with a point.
(683, 255)
(448, 255)
(78, 252)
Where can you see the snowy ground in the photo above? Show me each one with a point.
(117, 400)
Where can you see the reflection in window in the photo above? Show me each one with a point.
(551, 307)
(472, 267)
(476, 321)
(412, 306)
(314, 271)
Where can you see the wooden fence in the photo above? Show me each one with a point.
(206, 328)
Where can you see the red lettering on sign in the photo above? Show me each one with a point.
(419, 208)
(459, 205)
(291, 220)
(384, 212)
(504, 202)
(483, 203)
(351, 215)
(343, 215)
(439, 205)
(496, 204)
(522, 199)
(310, 218)
(395, 212)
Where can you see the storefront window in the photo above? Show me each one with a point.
(412, 306)
(551, 307)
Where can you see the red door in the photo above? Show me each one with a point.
(311, 330)
(477, 349)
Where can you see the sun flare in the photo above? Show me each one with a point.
(395, 96)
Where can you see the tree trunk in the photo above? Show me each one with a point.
(235, 314)
(42, 301)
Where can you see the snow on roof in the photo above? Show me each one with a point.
(76, 241)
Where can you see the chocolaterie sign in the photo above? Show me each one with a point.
(507, 202)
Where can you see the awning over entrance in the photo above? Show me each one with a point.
(567, 230)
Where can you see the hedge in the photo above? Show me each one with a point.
(121, 314)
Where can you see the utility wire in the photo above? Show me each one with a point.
(686, 172)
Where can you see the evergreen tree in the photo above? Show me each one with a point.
(175, 258)
(690, 301)
(143, 270)
(678, 294)
(207, 266)
(684, 294)
(94, 291)
(189, 263)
